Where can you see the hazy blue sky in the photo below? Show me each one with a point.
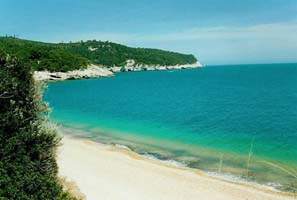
(216, 31)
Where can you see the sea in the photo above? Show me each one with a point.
(238, 122)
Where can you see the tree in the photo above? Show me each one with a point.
(28, 169)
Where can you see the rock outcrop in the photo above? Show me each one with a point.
(132, 66)
(94, 71)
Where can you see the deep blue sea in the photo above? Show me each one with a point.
(239, 120)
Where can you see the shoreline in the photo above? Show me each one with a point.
(87, 176)
(91, 71)
(96, 71)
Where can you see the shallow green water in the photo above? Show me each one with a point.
(196, 117)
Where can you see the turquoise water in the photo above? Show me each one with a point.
(239, 120)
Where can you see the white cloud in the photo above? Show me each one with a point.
(258, 43)
(262, 31)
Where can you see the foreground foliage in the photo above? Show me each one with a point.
(71, 56)
(28, 169)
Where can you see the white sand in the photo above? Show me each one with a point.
(108, 173)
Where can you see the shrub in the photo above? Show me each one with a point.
(28, 169)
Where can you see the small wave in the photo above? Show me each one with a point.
(165, 161)
(237, 179)
(175, 163)
(274, 186)
(121, 146)
(226, 176)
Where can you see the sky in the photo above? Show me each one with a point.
(215, 31)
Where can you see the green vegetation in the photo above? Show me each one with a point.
(70, 56)
(42, 56)
(109, 54)
(28, 169)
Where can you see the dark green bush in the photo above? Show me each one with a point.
(28, 169)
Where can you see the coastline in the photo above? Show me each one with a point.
(113, 172)
(95, 71)
(91, 71)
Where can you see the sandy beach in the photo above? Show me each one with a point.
(111, 173)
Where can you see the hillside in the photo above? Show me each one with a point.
(70, 56)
